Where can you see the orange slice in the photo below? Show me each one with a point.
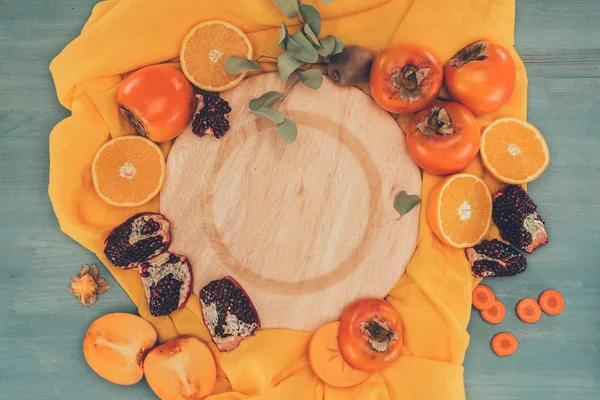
(514, 151)
(204, 52)
(128, 171)
(460, 210)
(327, 362)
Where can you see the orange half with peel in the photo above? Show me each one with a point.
(514, 151)
(204, 52)
(460, 210)
(128, 171)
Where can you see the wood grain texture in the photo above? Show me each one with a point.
(42, 325)
(305, 228)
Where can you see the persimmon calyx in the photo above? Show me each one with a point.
(137, 125)
(407, 80)
(473, 52)
(437, 122)
(379, 334)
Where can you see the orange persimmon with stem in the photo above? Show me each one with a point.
(443, 138)
(405, 78)
(481, 76)
(158, 100)
(370, 334)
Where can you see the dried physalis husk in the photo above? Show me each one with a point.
(87, 285)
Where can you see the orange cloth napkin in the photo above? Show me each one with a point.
(433, 297)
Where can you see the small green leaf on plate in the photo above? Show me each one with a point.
(300, 48)
(286, 64)
(405, 202)
(327, 46)
(283, 37)
(313, 78)
(236, 65)
(287, 130)
(270, 114)
(289, 8)
(311, 17)
(264, 101)
(311, 36)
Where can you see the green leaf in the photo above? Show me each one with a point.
(289, 8)
(235, 65)
(286, 64)
(327, 1)
(300, 48)
(405, 202)
(287, 130)
(264, 101)
(339, 46)
(311, 17)
(311, 36)
(283, 37)
(270, 114)
(327, 46)
(313, 78)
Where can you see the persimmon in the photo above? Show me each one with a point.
(182, 368)
(405, 78)
(443, 138)
(327, 362)
(370, 334)
(158, 100)
(115, 347)
(481, 76)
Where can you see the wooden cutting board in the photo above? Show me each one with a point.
(307, 227)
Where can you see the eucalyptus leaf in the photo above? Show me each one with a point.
(300, 48)
(311, 17)
(339, 46)
(289, 8)
(327, 46)
(283, 37)
(313, 78)
(264, 101)
(270, 114)
(236, 65)
(287, 64)
(404, 202)
(287, 130)
(311, 36)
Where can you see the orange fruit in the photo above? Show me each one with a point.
(128, 171)
(460, 210)
(514, 151)
(205, 50)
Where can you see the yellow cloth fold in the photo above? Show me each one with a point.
(433, 297)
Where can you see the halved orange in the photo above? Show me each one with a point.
(128, 171)
(460, 210)
(514, 151)
(204, 52)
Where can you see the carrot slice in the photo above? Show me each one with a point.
(483, 298)
(495, 314)
(528, 310)
(326, 361)
(552, 302)
(504, 344)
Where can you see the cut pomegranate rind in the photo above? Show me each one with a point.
(167, 280)
(515, 214)
(138, 239)
(493, 258)
(228, 313)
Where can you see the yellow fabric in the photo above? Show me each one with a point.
(433, 297)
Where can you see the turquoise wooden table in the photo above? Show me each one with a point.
(42, 326)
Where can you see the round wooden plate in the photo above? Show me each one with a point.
(307, 227)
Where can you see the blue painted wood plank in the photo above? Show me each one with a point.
(42, 327)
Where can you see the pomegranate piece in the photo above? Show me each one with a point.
(493, 258)
(211, 118)
(515, 215)
(228, 313)
(139, 238)
(167, 280)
